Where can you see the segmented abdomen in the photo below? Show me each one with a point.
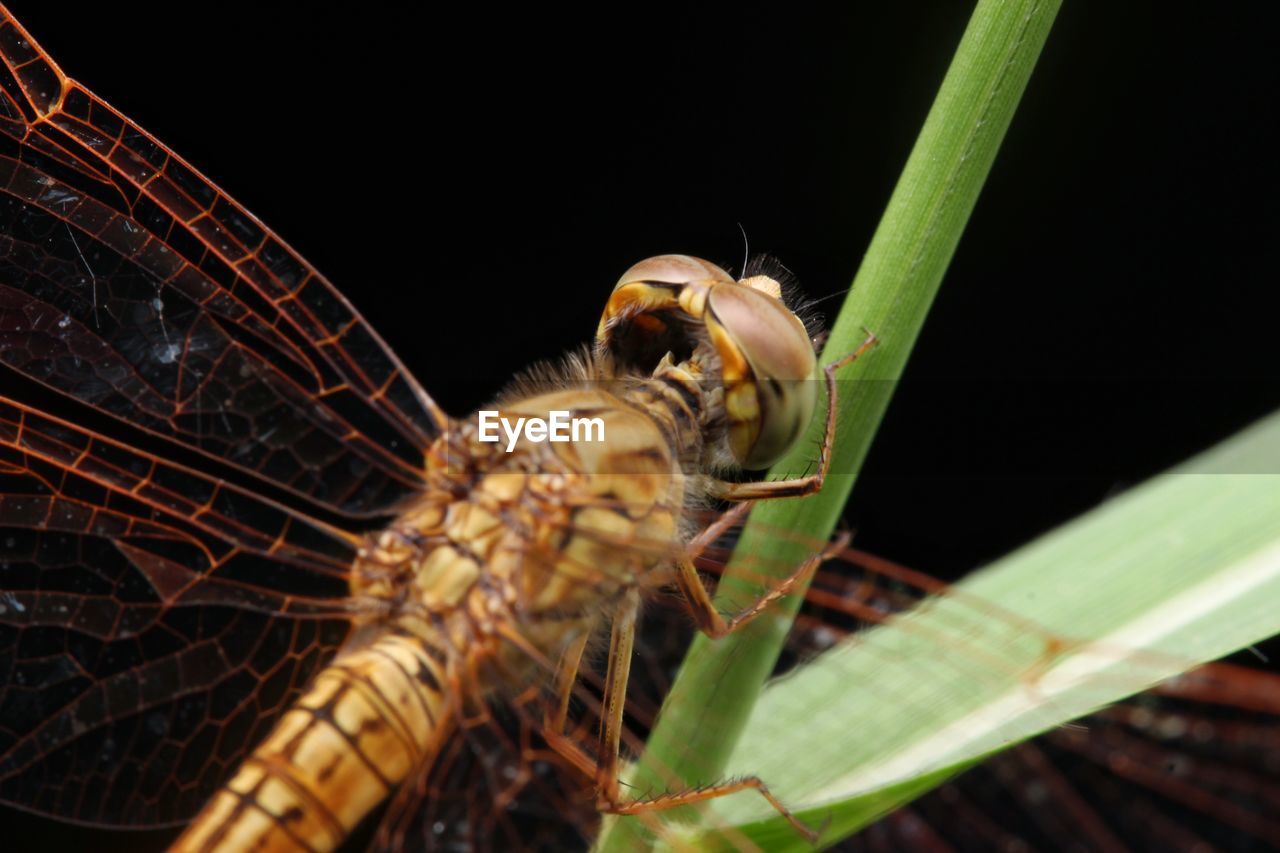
(370, 718)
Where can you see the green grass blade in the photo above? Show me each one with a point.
(1181, 570)
(891, 294)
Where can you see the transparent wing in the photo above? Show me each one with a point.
(154, 623)
(133, 284)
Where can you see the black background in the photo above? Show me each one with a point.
(475, 182)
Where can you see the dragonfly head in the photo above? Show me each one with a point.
(671, 303)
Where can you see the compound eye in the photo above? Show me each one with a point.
(644, 318)
(672, 269)
(768, 368)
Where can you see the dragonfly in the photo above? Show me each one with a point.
(163, 616)
(160, 618)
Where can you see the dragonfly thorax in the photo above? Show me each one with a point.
(541, 539)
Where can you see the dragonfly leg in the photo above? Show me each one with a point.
(621, 645)
(609, 797)
(703, 793)
(796, 487)
(708, 618)
(566, 679)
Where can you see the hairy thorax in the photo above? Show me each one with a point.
(536, 542)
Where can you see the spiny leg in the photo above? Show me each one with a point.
(728, 519)
(566, 679)
(799, 486)
(609, 798)
(621, 646)
(709, 792)
(708, 618)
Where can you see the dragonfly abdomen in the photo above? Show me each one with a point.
(370, 719)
